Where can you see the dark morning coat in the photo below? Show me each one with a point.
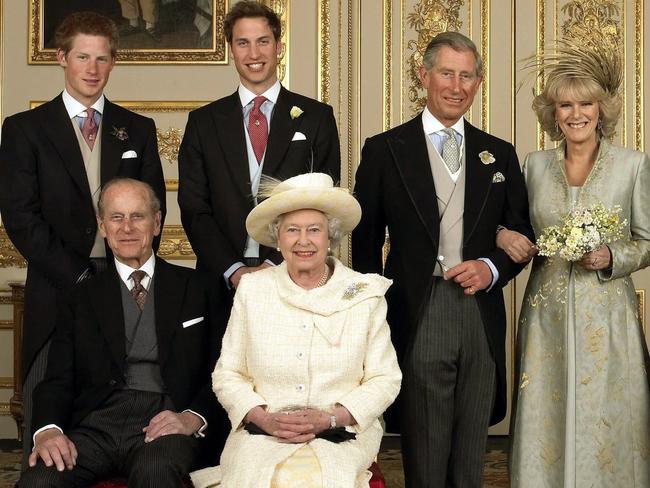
(45, 199)
(395, 187)
(214, 188)
(87, 356)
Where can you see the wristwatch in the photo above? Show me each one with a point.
(332, 421)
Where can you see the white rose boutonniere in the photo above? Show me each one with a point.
(295, 112)
(486, 157)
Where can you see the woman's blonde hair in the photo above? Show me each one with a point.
(592, 71)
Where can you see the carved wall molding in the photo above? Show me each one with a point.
(169, 143)
(324, 44)
(174, 244)
(282, 7)
(428, 19)
(9, 256)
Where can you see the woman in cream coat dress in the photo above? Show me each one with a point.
(582, 414)
(315, 349)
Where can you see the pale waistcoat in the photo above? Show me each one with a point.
(92, 160)
(451, 205)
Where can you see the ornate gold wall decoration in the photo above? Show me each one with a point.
(281, 7)
(428, 19)
(640, 296)
(324, 43)
(9, 256)
(169, 143)
(174, 244)
(584, 17)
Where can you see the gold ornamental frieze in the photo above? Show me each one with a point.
(9, 256)
(169, 143)
(174, 244)
(428, 19)
(584, 17)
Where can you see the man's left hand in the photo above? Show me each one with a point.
(473, 275)
(168, 422)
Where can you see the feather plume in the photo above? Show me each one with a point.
(267, 186)
(596, 60)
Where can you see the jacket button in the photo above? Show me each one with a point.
(89, 230)
(112, 383)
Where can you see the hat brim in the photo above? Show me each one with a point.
(335, 202)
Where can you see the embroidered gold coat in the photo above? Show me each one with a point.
(285, 346)
(612, 400)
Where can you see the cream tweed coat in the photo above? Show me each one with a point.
(285, 346)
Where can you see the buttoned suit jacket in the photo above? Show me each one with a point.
(87, 358)
(46, 204)
(395, 188)
(214, 192)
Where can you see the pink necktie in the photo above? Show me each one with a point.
(89, 129)
(258, 128)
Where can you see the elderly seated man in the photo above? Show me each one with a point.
(127, 390)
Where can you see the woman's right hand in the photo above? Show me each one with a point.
(280, 426)
(517, 246)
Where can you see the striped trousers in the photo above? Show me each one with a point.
(448, 392)
(110, 442)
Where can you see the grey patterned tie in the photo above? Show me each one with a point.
(450, 152)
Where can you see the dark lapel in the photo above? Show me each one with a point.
(282, 129)
(106, 300)
(409, 148)
(169, 292)
(112, 148)
(229, 127)
(478, 179)
(58, 128)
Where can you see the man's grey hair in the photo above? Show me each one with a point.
(334, 231)
(457, 42)
(154, 201)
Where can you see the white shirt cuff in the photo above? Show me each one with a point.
(229, 272)
(493, 270)
(45, 427)
(199, 433)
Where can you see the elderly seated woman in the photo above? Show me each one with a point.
(307, 366)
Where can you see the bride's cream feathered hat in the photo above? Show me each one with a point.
(307, 191)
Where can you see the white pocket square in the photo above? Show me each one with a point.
(129, 154)
(191, 322)
(498, 177)
(299, 136)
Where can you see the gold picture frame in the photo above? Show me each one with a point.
(640, 297)
(195, 44)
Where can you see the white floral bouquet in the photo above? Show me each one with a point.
(582, 230)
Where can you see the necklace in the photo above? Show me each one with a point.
(323, 279)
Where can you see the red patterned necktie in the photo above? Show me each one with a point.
(139, 292)
(258, 128)
(89, 129)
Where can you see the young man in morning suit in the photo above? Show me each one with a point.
(128, 388)
(442, 188)
(262, 128)
(53, 161)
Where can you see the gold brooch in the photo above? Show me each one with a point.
(353, 290)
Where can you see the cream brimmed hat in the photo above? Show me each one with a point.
(307, 191)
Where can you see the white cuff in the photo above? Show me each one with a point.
(45, 427)
(199, 433)
(493, 270)
(230, 271)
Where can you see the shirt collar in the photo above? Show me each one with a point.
(431, 124)
(76, 108)
(246, 96)
(125, 270)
